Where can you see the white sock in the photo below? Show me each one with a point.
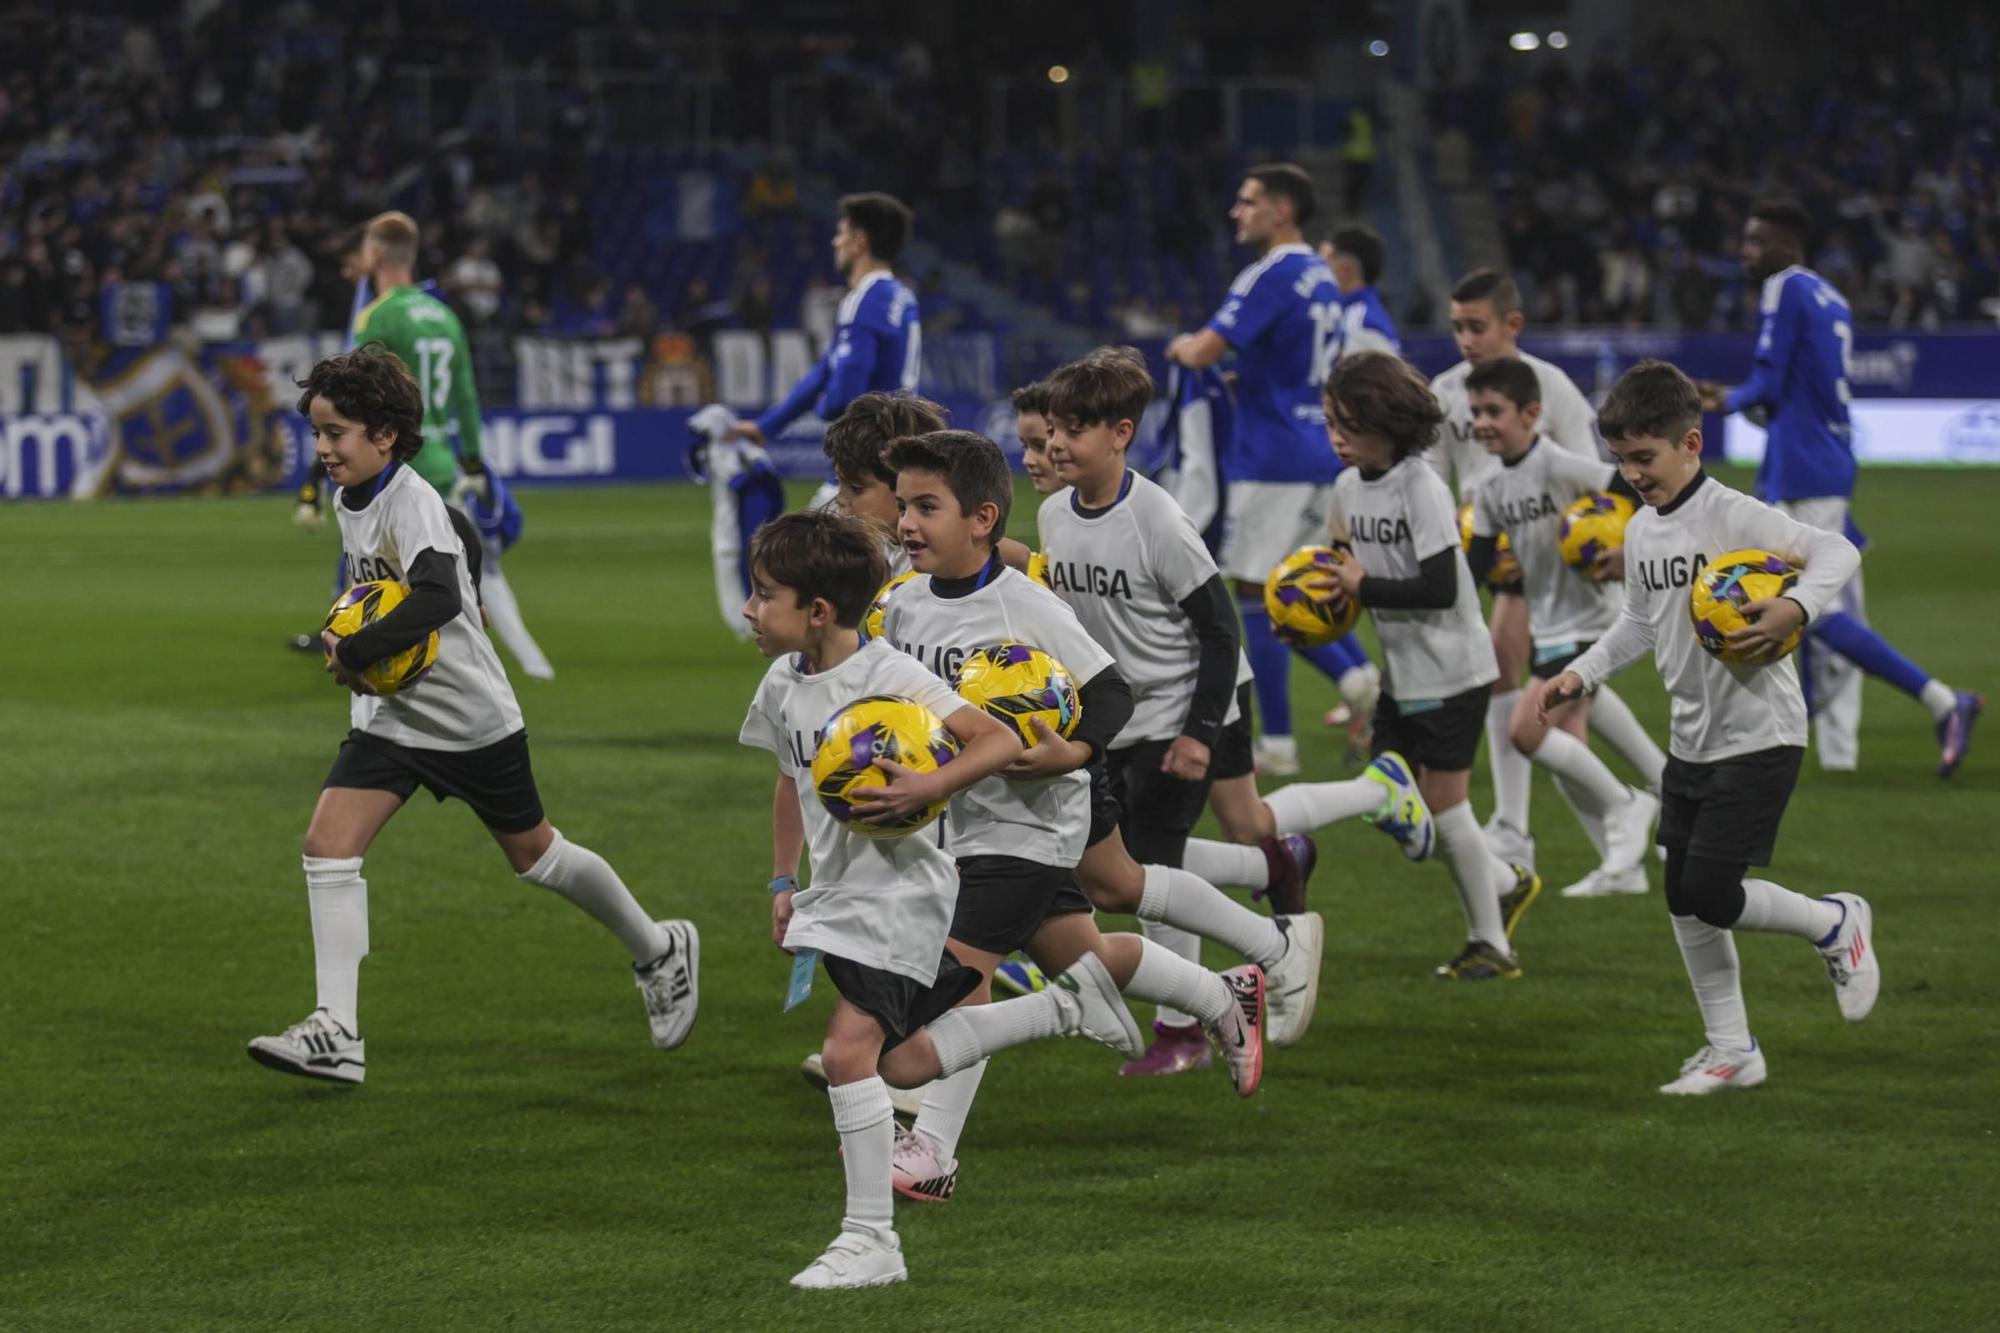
(1770, 907)
(1593, 825)
(1710, 955)
(1227, 863)
(1277, 746)
(505, 613)
(1481, 876)
(587, 879)
(1513, 772)
(972, 1032)
(865, 1118)
(1575, 762)
(1182, 944)
(1938, 697)
(1166, 978)
(338, 899)
(1612, 718)
(1305, 806)
(1360, 687)
(1178, 898)
(947, 1103)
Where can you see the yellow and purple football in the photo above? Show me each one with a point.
(363, 605)
(861, 735)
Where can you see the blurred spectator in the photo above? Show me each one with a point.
(638, 316)
(819, 308)
(473, 281)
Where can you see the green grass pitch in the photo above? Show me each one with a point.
(1433, 1156)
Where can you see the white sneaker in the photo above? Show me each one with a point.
(1850, 959)
(1628, 831)
(854, 1260)
(1291, 985)
(907, 1101)
(1276, 757)
(1600, 883)
(1510, 842)
(1238, 1036)
(316, 1047)
(671, 984)
(1712, 1069)
(1091, 1006)
(919, 1171)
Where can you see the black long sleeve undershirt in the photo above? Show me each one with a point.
(1107, 703)
(1212, 612)
(432, 602)
(1481, 556)
(1433, 589)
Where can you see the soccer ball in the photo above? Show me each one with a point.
(1592, 526)
(871, 623)
(880, 726)
(1038, 568)
(1730, 583)
(1506, 569)
(1016, 683)
(1301, 597)
(363, 605)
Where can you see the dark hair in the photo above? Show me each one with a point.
(1032, 399)
(1488, 284)
(1786, 216)
(1106, 386)
(883, 218)
(1378, 394)
(973, 468)
(856, 438)
(1290, 181)
(1653, 400)
(1507, 375)
(1365, 244)
(822, 553)
(372, 386)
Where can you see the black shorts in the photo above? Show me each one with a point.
(496, 780)
(1235, 754)
(1728, 810)
(1437, 734)
(1105, 812)
(902, 1005)
(1546, 663)
(1160, 810)
(1003, 900)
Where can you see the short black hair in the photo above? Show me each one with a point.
(1291, 181)
(1786, 216)
(1032, 399)
(1653, 400)
(1379, 394)
(370, 385)
(883, 218)
(1365, 244)
(973, 467)
(855, 439)
(1105, 386)
(1508, 375)
(1488, 284)
(822, 553)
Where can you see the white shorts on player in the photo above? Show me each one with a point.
(1265, 521)
(1836, 682)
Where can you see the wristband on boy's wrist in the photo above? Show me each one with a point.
(784, 884)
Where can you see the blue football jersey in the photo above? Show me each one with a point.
(878, 342)
(1282, 318)
(1365, 325)
(1805, 341)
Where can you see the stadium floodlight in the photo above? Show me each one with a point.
(1558, 40)
(1524, 41)
(1058, 73)
(1378, 48)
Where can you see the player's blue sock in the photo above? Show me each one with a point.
(1871, 652)
(1271, 661)
(1338, 658)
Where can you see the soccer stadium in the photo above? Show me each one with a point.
(1137, 665)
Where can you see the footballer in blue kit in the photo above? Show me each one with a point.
(1355, 255)
(1281, 319)
(1805, 342)
(878, 335)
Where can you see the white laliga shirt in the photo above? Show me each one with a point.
(1046, 820)
(882, 903)
(464, 702)
(1567, 418)
(1525, 499)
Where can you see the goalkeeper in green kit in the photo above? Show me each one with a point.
(427, 337)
